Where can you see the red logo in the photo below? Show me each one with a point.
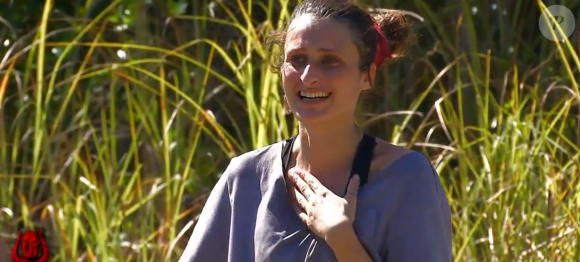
(33, 248)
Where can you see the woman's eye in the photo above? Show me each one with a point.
(301, 60)
(297, 59)
(329, 61)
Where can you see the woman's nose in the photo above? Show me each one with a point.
(310, 76)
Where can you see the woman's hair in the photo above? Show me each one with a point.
(394, 25)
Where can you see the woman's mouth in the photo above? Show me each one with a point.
(305, 95)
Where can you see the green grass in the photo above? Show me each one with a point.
(113, 156)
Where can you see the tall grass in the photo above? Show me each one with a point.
(110, 139)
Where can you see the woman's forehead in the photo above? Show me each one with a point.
(307, 32)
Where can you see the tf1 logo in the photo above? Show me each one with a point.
(32, 246)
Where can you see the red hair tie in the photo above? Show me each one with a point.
(383, 51)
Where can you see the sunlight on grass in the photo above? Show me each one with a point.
(113, 156)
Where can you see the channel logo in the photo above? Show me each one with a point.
(563, 18)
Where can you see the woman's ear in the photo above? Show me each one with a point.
(369, 77)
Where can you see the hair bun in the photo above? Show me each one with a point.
(397, 29)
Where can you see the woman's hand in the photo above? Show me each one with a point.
(328, 216)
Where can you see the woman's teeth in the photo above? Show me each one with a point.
(314, 95)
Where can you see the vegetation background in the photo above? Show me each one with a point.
(118, 116)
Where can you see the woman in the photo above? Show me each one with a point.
(299, 199)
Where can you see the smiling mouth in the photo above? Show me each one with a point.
(313, 95)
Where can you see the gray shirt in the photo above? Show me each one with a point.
(402, 215)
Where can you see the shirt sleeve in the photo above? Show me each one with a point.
(421, 231)
(210, 238)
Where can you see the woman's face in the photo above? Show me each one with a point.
(321, 73)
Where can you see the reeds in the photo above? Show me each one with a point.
(113, 128)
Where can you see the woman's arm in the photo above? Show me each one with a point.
(349, 248)
(210, 238)
(421, 231)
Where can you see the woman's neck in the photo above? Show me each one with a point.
(322, 147)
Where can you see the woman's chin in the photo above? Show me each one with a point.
(312, 110)
(311, 116)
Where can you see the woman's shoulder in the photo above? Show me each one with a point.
(256, 161)
(387, 154)
(406, 175)
(405, 164)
